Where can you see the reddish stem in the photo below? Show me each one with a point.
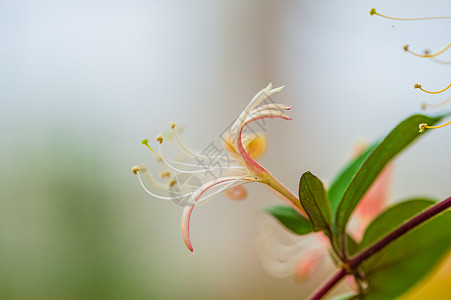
(382, 243)
(329, 285)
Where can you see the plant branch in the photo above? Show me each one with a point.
(382, 243)
(400, 231)
(329, 285)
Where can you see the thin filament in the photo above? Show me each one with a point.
(425, 105)
(237, 182)
(164, 160)
(189, 151)
(427, 54)
(159, 196)
(437, 92)
(439, 126)
(373, 12)
(152, 181)
(443, 62)
(197, 165)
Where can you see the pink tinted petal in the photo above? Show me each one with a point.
(251, 164)
(376, 197)
(261, 173)
(306, 265)
(186, 215)
(372, 204)
(273, 106)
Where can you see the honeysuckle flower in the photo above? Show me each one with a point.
(242, 168)
(294, 256)
(304, 254)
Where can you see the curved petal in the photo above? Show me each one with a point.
(258, 98)
(255, 168)
(186, 215)
(265, 114)
(273, 106)
(260, 173)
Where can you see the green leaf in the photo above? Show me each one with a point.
(314, 201)
(403, 263)
(291, 219)
(391, 218)
(398, 139)
(341, 182)
(351, 246)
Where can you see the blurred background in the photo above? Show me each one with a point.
(83, 82)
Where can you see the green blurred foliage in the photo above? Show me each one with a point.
(60, 216)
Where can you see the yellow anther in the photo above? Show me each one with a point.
(160, 139)
(406, 48)
(172, 182)
(424, 126)
(165, 174)
(135, 169)
(172, 125)
(417, 86)
(373, 12)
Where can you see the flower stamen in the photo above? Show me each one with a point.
(227, 185)
(425, 105)
(184, 148)
(442, 62)
(418, 86)
(202, 169)
(165, 174)
(135, 169)
(426, 53)
(145, 142)
(159, 196)
(424, 126)
(151, 179)
(166, 161)
(373, 12)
